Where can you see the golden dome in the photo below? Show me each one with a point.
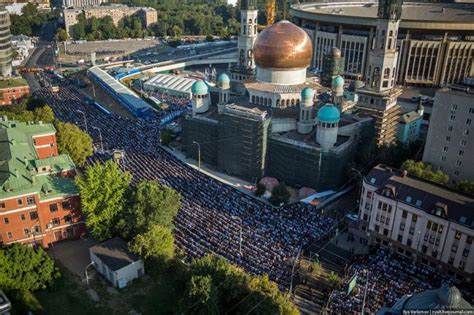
(283, 45)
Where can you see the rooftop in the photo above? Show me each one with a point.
(409, 117)
(114, 253)
(21, 171)
(171, 82)
(412, 11)
(11, 83)
(277, 88)
(423, 194)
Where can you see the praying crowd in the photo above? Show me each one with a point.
(390, 277)
(214, 217)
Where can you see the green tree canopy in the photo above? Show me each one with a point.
(23, 268)
(156, 243)
(61, 35)
(203, 292)
(74, 142)
(44, 114)
(424, 170)
(102, 188)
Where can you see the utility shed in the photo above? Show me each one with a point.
(116, 263)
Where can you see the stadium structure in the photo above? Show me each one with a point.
(435, 40)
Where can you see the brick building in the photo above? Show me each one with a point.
(13, 90)
(39, 201)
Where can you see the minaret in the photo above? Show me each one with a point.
(337, 86)
(379, 96)
(328, 125)
(245, 67)
(223, 83)
(201, 99)
(304, 124)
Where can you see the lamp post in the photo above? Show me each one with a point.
(85, 119)
(199, 154)
(240, 234)
(100, 137)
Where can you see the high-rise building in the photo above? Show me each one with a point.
(81, 3)
(5, 45)
(450, 141)
(379, 96)
(39, 200)
(245, 67)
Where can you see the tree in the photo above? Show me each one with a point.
(260, 190)
(74, 142)
(466, 187)
(203, 295)
(156, 243)
(61, 35)
(424, 170)
(44, 114)
(26, 269)
(334, 280)
(280, 194)
(102, 188)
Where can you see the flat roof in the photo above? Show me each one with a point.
(171, 82)
(365, 13)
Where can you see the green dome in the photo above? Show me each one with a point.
(223, 77)
(307, 92)
(199, 87)
(338, 81)
(329, 113)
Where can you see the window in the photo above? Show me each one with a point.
(469, 240)
(450, 128)
(458, 163)
(385, 232)
(461, 152)
(468, 121)
(456, 172)
(26, 232)
(451, 260)
(452, 117)
(400, 238)
(10, 235)
(440, 230)
(412, 230)
(379, 205)
(466, 132)
(458, 235)
(377, 228)
(22, 217)
(471, 110)
(389, 209)
(404, 214)
(20, 202)
(428, 225)
(445, 149)
(53, 207)
(402, 226)
(30, 200)
(454, 248)
(448, 138)
(66, 205)
(463, 142)
(414, 218)
(37, 229)
(56, 221)
(2, 205)
(34, 215)
(424, 249)
(6, 220)
(465, 252)
(409, 242)
(408, 199)
(68, 218)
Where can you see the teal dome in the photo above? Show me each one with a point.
(199, 87)
(329, 113)
(338, 81)
(307, 92)
(223, 77)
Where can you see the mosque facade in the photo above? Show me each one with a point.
(269, 119)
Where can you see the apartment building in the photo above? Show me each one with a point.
(13, 90)
(39, 201)
(117, 12)
(81, 3)
(450, 141)
(419, 219)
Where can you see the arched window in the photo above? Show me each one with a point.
(253, 99)
(391, 33)
(389, 45)
(277, 103)
(393, 72)
(250, 21)
(386, 73)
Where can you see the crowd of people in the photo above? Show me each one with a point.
(214, 217)
(390, 277)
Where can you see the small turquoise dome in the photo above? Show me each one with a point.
(199, 87)
(329, 113)
(223, 77)
(338, 81)
(307, 92)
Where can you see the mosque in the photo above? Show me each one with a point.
(267, 117)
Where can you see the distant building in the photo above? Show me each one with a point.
(445, 300)
(450, 141)
(81, 3)
(409, 125)
(13, 90)
(5, 45)
(419, 219)
(333, 66)
(22, 45)
(117, 12)
(39, 200)
(116, 263)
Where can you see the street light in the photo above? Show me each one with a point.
(85, 119)
(199, 154)
(240, 234)
(100, 137)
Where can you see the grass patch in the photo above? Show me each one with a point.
(9, 83)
